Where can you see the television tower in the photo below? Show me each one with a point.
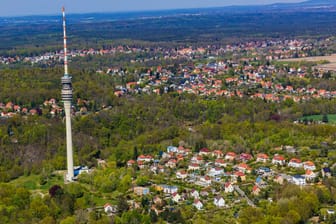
(67, 98)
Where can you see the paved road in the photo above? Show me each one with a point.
(242, 193)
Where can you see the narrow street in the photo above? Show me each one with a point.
(242, 193)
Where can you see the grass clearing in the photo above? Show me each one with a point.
(318, 117)
(32, 182)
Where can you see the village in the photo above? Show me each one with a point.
(220, 179)
(248, 69)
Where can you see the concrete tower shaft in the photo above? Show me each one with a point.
(67, 98)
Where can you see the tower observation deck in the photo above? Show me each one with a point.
(66, 88)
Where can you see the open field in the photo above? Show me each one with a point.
(330, 58)
(331, 66)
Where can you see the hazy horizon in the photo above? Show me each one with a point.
(42, 7)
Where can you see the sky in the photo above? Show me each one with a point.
(47, 7)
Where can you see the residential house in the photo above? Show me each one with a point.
(17, 108)
(206, 180)
(299, 180)
(169, 189)
(205, 152)
(193, 166)
(294, 162)
(197, 159)
(216, 172)
(179, 157)
(245, 157)
(102, 163)
(330, 211)
(204, 193)
(166, 155)
(141, 165)
(279, 179)
(278, 160)
(154, 168)
(228, 187)
(24, 110)
(181, 174)
(217, 154)
(133, 204)
(255, 190)
(290, 149)
(243, 167)
(171, 149)
(219, 201)
(157, 200)
(194, 193)
(109, 209)
(310, 175)
(176, 197)
(263, 170)
(9, 105)
(131, 163)
(141, 190)
(198, 204)
(182, 151)
(145, 158)
(326, 172)
(160, 169)
(262, 157)
(309, 165)
(33, 111)
(171, 163)
(230, 156)
(220, 163)
(237, 175)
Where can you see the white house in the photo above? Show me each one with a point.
(145, 158)
(230, 156)
(216, 171)
(194, 193)
(310, 175)
(294, 162)
(299, 180)
(193, 166)
(171, 149)
(197, 159)
(109, 209)
(176, 197)
(228, 187)
(206, 180)
(169, 189)
(205, 151)
(171, 163)
(181, 174)
(278, 160)
(309, 165)
(220, 162)
(262, 157)
(219, 201)
(198, 204)
(218, 154)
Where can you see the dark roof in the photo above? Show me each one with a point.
(326, 170)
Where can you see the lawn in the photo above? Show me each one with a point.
(318, 117)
